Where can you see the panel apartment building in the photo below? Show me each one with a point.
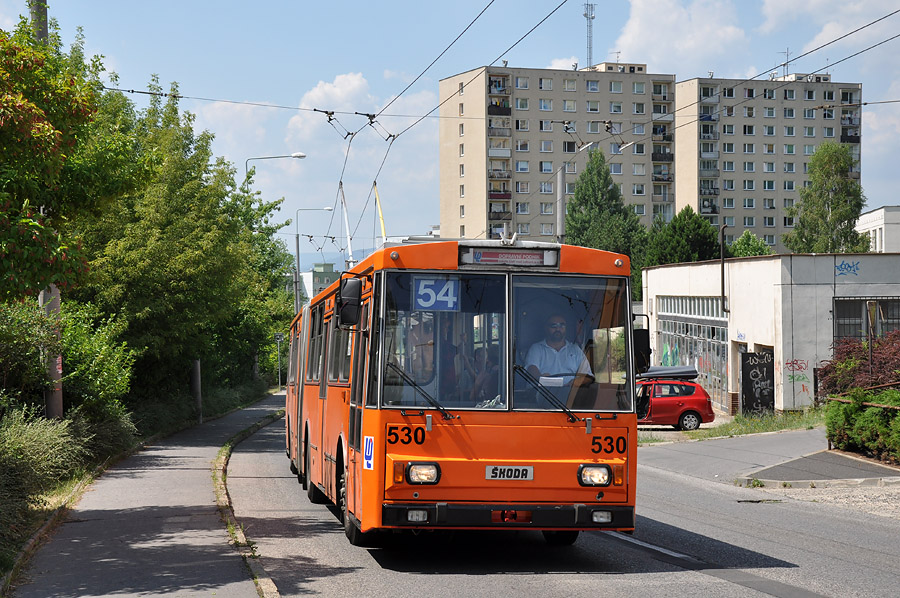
(742, 148)
(506, 134)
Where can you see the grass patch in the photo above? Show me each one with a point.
(649, 438)
(769, 422)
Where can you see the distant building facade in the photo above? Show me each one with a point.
(883, 227)
(742, 148)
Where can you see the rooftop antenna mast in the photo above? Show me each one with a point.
(787, 60)
(589, 16)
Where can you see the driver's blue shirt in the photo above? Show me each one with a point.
(569, 359)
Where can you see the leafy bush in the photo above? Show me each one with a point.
(35, 453)
(850, 366)
(25, 333)
(874, 431)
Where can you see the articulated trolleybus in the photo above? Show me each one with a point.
(470, 385)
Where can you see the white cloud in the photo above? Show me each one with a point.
(685, 38)
(564, 64)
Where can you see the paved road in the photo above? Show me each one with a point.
(150, 526)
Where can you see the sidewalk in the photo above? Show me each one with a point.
(149, 526)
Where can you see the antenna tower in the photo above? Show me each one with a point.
(589, 16)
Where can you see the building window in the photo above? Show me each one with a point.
(769, 221)
(728, 148)
(545, 84)
(462, 190)
(728, 166)
(809, 131)
(809, 94)
(788, 222)
(569, 85)
(570, 189)
(546, 208)
(789, 94)
(462, 150)
(729, 221)
(768, 185)
(522, 145)
(523, 228)
(546, 145)
(545, 125)
(749, 185)
(749, 130)
(749, 111)
(462, 211)
(809, 150)
(769, 94)
(547, 187)
(768, 166)
(545, 105)
(769, 239)
(462, 231)
(769, 203)
(637, 189)
(728, 92)
(521, 165)
(593, 126)
(749, 167)
(749, 148)
(638, 209)
(521, 82)
(809, 113)
(461, 109)
(828, 131)
(789, 131)
(789, 149)
(748, 92)
(768, 148)
(638, 107)
(614, 148)
(590, 85)
(639, 169)
(637, 149)
(614, 108)
(749, 221)
(637, 87)
(768, 130)
(523, 187)
(769, 112)
(521, 124)
(615, 168)
(546, 228)
(521, 103)
(749, 203)
(568, 147)
(728, 184)
(615, 87)
(462, 170)
(789, 185)
(462, 86)
(789, 113)
(568, 105)
(789, 167)
(546, 166)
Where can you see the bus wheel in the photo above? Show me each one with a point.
(351, 530)
(560, 538)
(316, 496)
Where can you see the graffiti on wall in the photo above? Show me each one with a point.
(846, 268)
(757, 382)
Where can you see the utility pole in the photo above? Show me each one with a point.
(49, 298)
(589, 16)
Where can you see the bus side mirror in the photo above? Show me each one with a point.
(641, 349)
(348, 300)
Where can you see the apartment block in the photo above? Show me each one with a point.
(512, 139)
(742, 148)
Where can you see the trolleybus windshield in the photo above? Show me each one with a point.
(450, 342)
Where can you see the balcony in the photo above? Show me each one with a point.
(499, 215)
(709, 155)
(494, 110)
(849, 138)
(662, 156)
(850, 121)
(499, 195)
(663, 97)
(709, 191)
(709, 172)
(708, 117)
(854, 174)
(708, 207)
(664, 116)
(709, 136)
(663, 137)
(663, 198)
(498, 174)
(713, 99)
(499, 152)
(498, 90)
(499, 132)
(662, 178)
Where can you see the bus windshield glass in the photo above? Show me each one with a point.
(445, 339)
(570, 341)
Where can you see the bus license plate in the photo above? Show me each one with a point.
(507, 472)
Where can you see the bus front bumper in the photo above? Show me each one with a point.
(487, 516)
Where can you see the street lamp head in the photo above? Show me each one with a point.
(298, 155)
(328, 209)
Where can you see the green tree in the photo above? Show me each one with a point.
(687, 238)
(829, 207)
(749, 244)
(598, 218)
(46, 105)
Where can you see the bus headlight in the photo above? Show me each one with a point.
(593, 475)
(423, 473)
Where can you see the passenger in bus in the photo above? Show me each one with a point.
(556, 360)
(487, 383)
(448, 351)
(472, 366)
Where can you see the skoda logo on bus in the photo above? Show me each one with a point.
(509, 472)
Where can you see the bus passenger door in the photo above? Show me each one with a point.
(355, 456)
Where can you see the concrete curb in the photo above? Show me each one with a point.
(749, 481)
(264, 584)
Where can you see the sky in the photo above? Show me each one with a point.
(359, 56)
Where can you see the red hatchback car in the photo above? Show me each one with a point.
(667, 396)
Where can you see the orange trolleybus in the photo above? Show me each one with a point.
(469, 385)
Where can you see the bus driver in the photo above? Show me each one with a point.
(555, 360)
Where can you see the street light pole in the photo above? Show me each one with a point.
(297, 155)
(297, 250)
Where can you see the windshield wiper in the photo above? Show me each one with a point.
(431, 400)
(542, 390)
